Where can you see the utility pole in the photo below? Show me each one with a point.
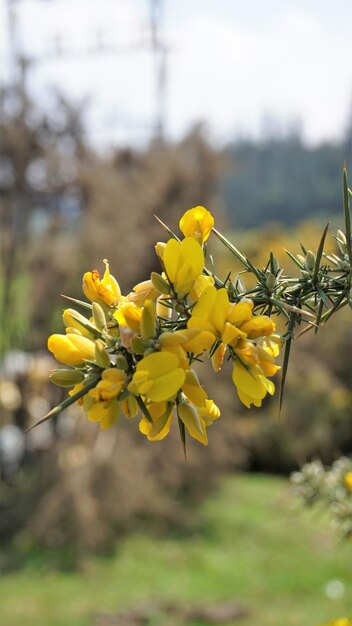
(159, 51)
(20, 64)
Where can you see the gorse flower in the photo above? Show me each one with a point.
(183, 262)
(105, 291)
(71, 349)
(134, 355)
(197, 223)
(158, 377)
(138, 355)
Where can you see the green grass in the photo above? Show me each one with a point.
(256, 546)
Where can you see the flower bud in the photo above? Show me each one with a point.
(138, 345)
(121, 362)
(341, 242)
(159, 249)
(148, 320)
(160, 283)
(66, 378)
(270, 281)
(310, 261)
(239, 285)
(275, 264)
(129, 406)
(75, 321)
(99, 316)
(71, 349)
(101, 355)
(341, 236)
(301, 259)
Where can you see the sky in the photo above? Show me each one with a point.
(236, 66)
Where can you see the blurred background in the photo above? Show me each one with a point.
(112, 111)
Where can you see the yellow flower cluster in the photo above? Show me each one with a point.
(136, 354)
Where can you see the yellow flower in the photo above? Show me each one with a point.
(211, 313)
(106, 291)
(197, 223)
(191, 340)
(193, 389)
(347, 479)
(129, 315)
(181, 342)
(158, 377)
(184, 263)
(105, 412)
(259, 326)
(209, 411)
(251, 384)
(110, 385)
(194, 423)
(71, 349)
(142, 292)
(201, 284)
(159, 428)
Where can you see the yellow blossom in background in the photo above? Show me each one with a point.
(71, 349)
(105, 291)
(197, 223)
(158, 377)
(347, 481)
(184, 263)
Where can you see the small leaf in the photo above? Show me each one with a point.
(172, 234)
(284, 372)
(183, 436)
(144, 409)
(84, 305)
(320, 252)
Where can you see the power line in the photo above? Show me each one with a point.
(21, 63)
